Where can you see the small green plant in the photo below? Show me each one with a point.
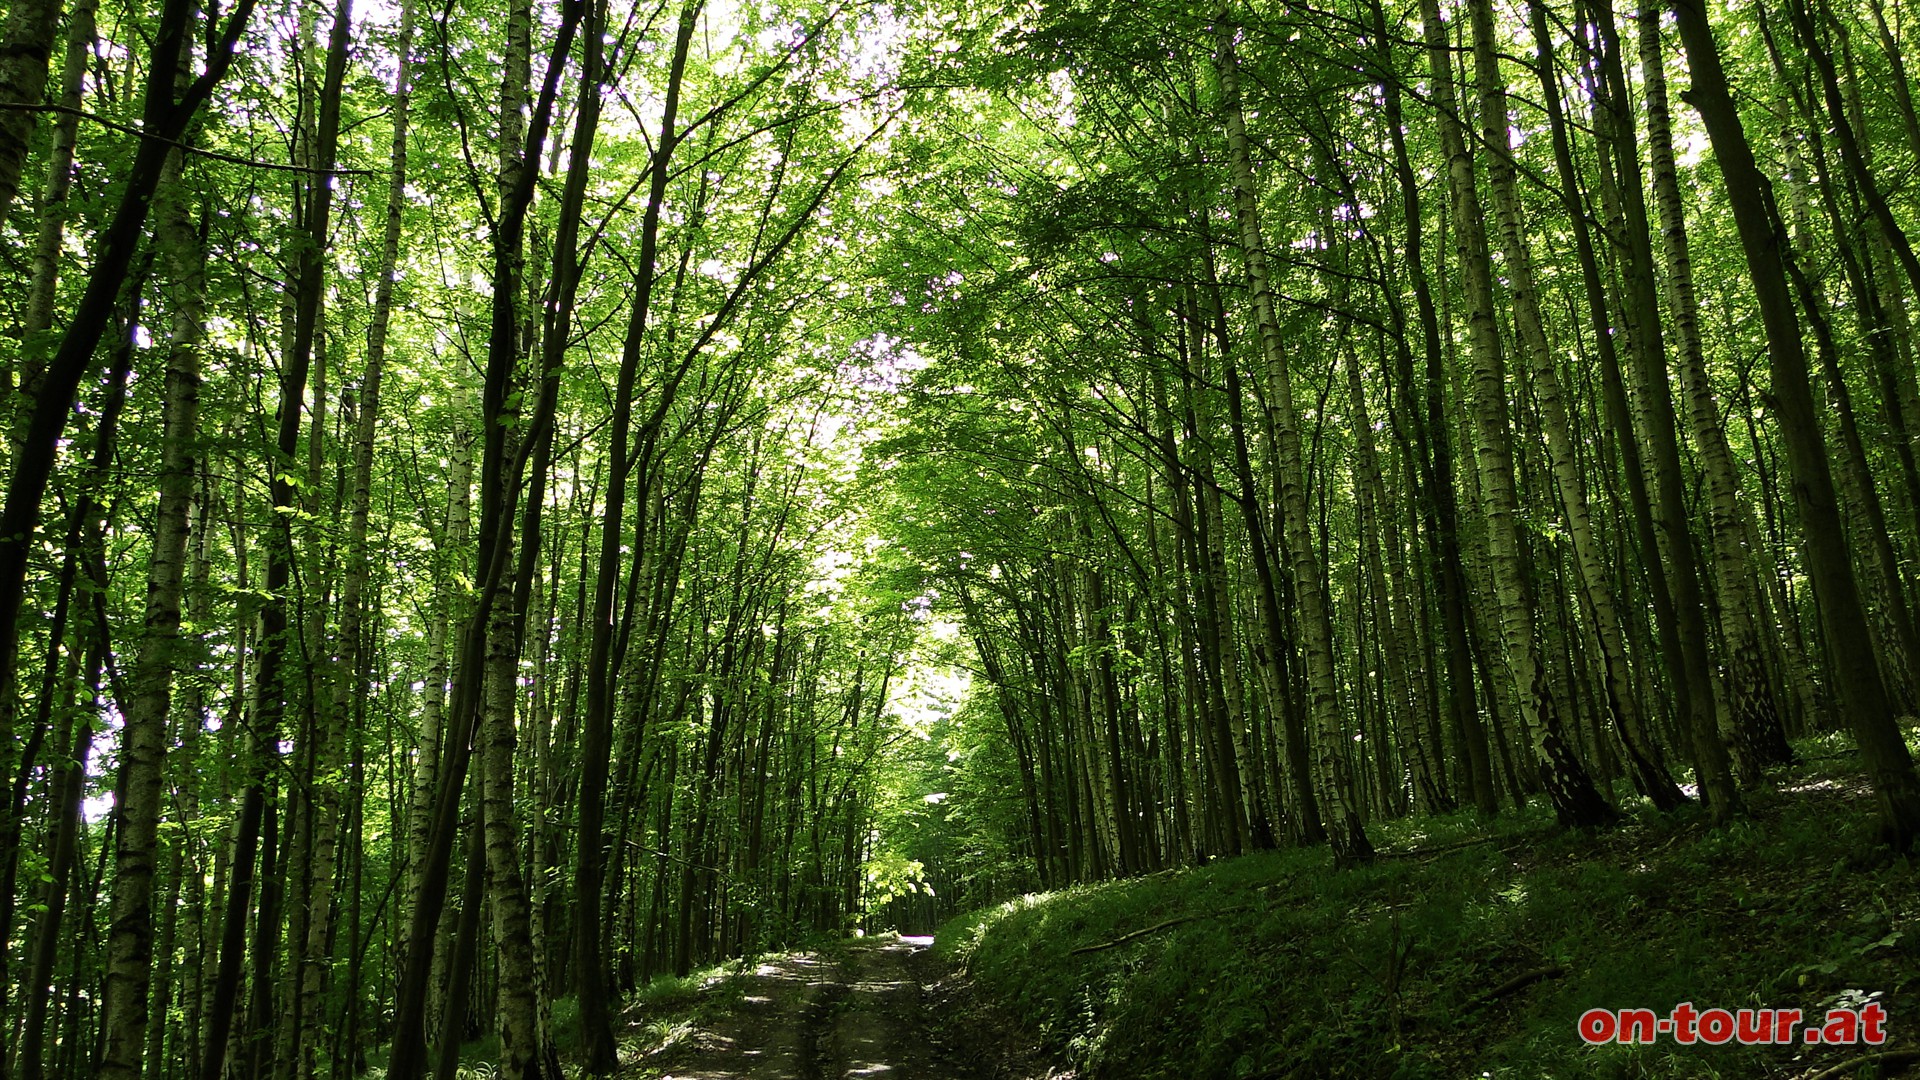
(1465, 950)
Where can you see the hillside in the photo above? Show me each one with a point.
(1469, 952)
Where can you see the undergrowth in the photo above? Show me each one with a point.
(666, 1014)
(1468, 949)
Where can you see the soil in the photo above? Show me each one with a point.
(876, 1007)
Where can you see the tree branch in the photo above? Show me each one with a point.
(186, 148)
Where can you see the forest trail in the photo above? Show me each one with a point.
(866, 1011)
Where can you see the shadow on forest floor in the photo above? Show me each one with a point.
(1472, 949)
(875, 1007)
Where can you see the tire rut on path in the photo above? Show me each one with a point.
(862, 1015)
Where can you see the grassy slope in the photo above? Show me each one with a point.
(1408, 968)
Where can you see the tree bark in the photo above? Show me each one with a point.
(144, 728)
(1862, 693)
(1755, 715)
(1345, 831)
(1576, 802)
(1650, 776)
(26, 48)
(51, 237)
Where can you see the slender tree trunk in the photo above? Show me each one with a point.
(52, 235)
(66, 786)
(350, 651)
(1650, 776)
(68, 789)
(144, 729)
(1862, 693)
(1698, 699)
(1755, 716)
(165, 117)
(1576, 801)
(526, 1047)
(501, 479)
(1344, 828)
(1391, 612)
(1433, 444)
(596, 745)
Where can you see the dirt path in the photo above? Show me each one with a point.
(877, 1009)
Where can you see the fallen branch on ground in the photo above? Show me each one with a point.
(1417, 853)
(1884, 1057)
(1517, 983)
(1156, 928)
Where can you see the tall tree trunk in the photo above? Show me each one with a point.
(350, 651)
(500, 485)
(526, 1046)
(1698, 699)
(1576, 801)
(1755, 716)
(1345, 831)
(1433, 443)
(312, 926)
(1650, 776)
(1862, 693)
(143, 734)
(164, 118)
(596, 744)
(54, 212)
(16, 756)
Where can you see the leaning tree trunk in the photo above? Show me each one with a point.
(164, 118)
(67, 782)
(143, 733)
(1863, 694)
(1345, 832)
(1621, 695)
(1755, 715)
(1576, 801)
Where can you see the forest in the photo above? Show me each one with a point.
(508, 502)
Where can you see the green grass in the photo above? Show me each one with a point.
(663, 1015)
(1391, 970)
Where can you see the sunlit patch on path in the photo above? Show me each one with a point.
(863, 1014)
